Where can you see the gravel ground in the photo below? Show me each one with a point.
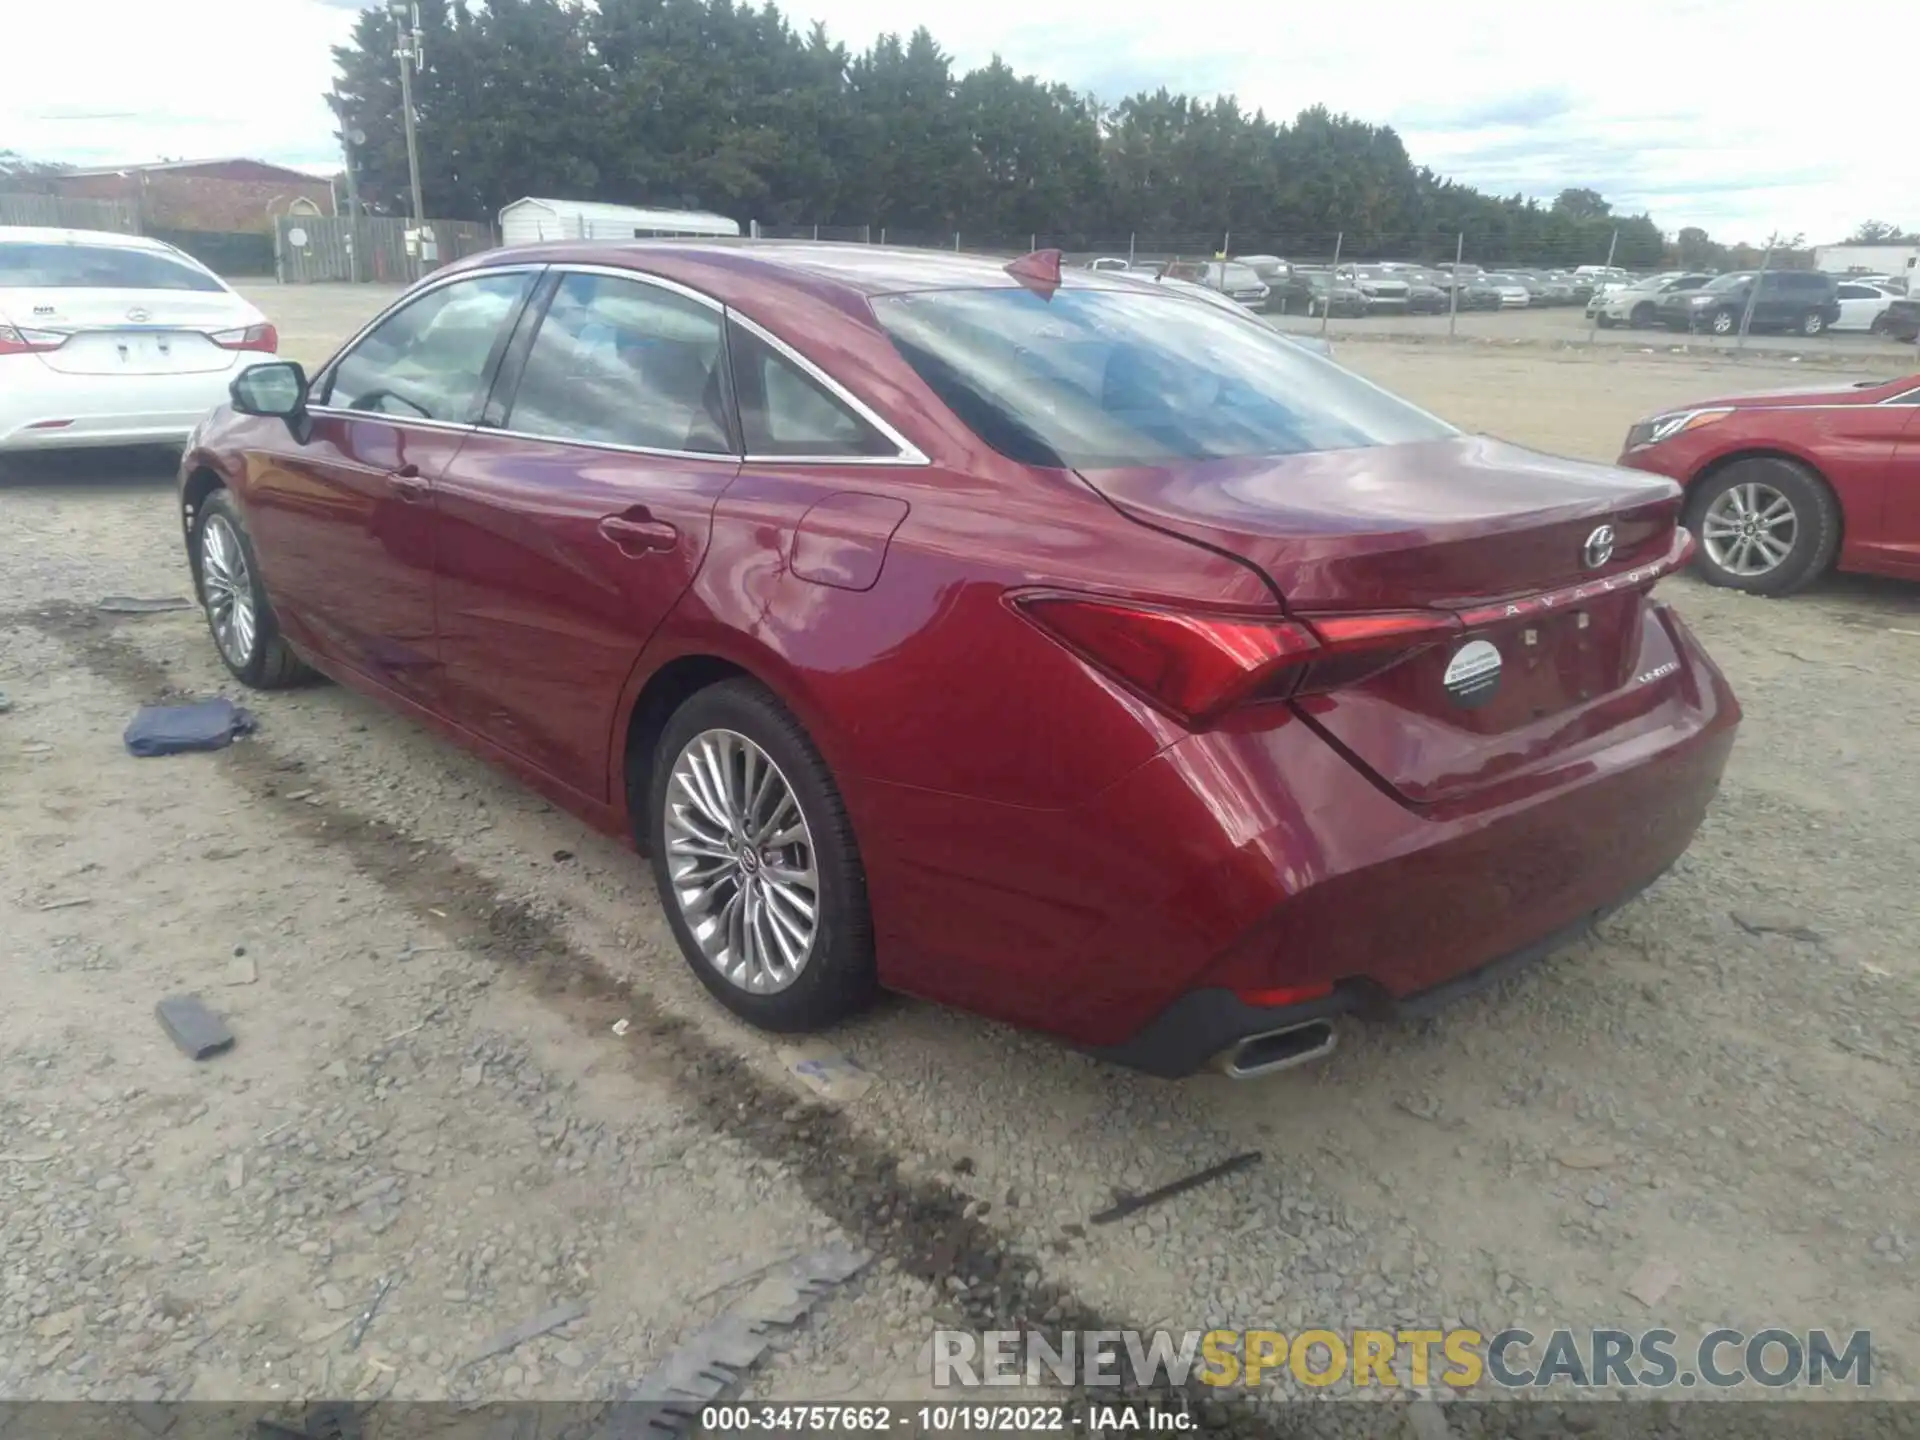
(425, 967)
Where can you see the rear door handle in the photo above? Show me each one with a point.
(636, 532)
(407, 483)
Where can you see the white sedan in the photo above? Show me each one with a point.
(112, 339)
(1862, 306)
(1513, 294)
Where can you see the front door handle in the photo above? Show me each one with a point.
(636, 532)
(407, 483)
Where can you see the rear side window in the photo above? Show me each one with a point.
(622, 362)
(30, 265)
(786, 412)
(1101, 378)
(428, 360)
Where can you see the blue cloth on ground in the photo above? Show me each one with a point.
(174, 729)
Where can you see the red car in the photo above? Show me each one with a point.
(1038, 643)
(1784, 485)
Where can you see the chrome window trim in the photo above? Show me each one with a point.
(907, 452)
(1905, 397)
(438, 282)
(729, 457)
(409, 421)
(641, 277)
(725, 456)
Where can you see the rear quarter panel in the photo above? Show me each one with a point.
(961, 737)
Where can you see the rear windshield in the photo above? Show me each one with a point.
(38, 266)
(1099, 378)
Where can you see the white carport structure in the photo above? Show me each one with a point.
(531, 219)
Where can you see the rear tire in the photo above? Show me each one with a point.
(240, 616)
(1812, 323)
(1793, 534)
(1724, 322)
(742, 853)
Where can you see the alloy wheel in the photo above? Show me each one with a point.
(226, 589)
(741, 862)
(1749, 530)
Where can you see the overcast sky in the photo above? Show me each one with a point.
(1743, 119)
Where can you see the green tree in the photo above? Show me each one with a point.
(717, 104)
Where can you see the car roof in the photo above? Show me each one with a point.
(55, 235)
(847, 269)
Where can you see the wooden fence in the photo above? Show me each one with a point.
(20, 207)
(311, 249)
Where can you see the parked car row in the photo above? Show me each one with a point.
(1804, 302)
(1377, 287)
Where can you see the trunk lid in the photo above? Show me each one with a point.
(129, 332)
(1551, 655)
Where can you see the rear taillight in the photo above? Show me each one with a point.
(251, 337)
(1353, 648)
(15, 341)
(1198, 666)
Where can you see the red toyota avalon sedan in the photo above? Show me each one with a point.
(1036, 642)
(1784, 485)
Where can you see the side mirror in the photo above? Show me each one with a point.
(277, 389)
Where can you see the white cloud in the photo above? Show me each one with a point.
(1700, 111)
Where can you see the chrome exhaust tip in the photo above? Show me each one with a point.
(1279, 1050)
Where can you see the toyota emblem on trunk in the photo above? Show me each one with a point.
(138, 316)
(1599, 548)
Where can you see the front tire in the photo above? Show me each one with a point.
(1641, 318)
(756, 862)
(1767, 526)
(1604, 321)
(245, 629)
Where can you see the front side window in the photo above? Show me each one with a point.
(786, 412)
(622, 362)
(430, 360)
(33, 265)
(1095, 378)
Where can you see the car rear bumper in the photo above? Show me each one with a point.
(1258, 867)
(1203, 1026)
(1391, 909)
(45, 409)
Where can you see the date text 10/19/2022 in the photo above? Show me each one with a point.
(968, 1419)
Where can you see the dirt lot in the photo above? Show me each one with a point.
(429, 1100)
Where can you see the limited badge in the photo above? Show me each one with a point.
(1473, 674)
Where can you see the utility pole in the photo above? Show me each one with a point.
(407, 50)
(352, 137)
